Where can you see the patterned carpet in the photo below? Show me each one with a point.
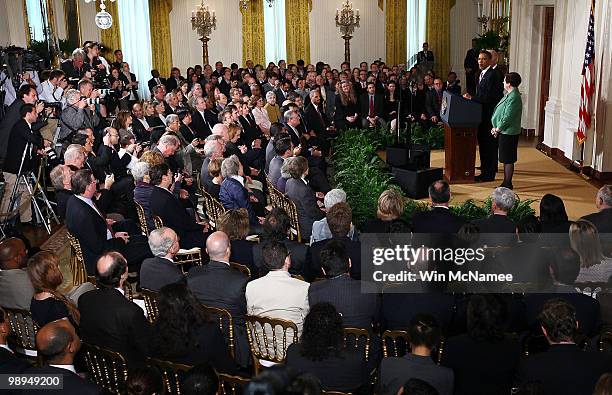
(58, 243)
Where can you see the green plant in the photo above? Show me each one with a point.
(66, 46)
(491, 39)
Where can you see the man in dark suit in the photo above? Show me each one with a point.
(174, 79)
(433, 101)
(314, 116)
(358, 308)
(372, 107)
(165, 204)
(9, 363)
(439, 219)
(225, 84)
(425, 55)
(75, 68)
(120, 325)
(282, 91)
(25, 147)
(216, 284)
(489, 91)
(470, 64)
(202, 120)
(339, 218)
(424, 333)
(16, 289)
(161, 270)
(155, 81)
(564, 368)
(58, 343)
(603, 218)
(94, 232)
(497, 229)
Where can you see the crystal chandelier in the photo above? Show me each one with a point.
(104, 20)
(245, 3)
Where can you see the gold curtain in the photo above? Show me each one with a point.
(298, 30)
(253, 39)
(438, 33)
(111, 38)
(395, 19)
(161, 44)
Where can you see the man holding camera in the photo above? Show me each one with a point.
(80, 112)
(51, 91)
(25, 144)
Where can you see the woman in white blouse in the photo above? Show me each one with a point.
(261, 115)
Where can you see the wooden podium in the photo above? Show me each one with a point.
(461, 119)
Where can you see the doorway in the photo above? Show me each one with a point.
(547, 35)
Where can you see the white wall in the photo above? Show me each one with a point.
(225, 43)
(326, 43)
(561, 110)
(464, 27)
(87, 14)
(5, 31)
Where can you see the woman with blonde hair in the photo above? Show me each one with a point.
(235, 224)
(347, 107)
(584, 240)
(48, 304)
(388, 214)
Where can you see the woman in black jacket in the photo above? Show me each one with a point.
(185, 334)
(347, 107)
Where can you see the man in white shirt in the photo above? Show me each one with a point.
(277, 294)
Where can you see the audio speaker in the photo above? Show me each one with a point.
(415, 158)
(415, 183)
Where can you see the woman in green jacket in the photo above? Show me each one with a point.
(507, 125)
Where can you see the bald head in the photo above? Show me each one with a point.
(12, 254)
(57, 342)
(218, 247)
(222, 130)
(112, 270)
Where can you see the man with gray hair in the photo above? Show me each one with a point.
(222, 130)
(320, 229)
(213, 148)
(74, 156)
(172, 102)
(161, 270)
(603, 218)
(497, 228)
(74, 116)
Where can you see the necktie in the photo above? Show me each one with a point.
(108, 227)
(371, 106)
(158, 81)
(482, 73)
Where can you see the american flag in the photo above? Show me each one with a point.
(588, 80)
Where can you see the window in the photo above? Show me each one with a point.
(36, 18)
(274, 30)
(416, 28)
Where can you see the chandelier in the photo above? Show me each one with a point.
(245, 3)
(347, 18)
(104, 20)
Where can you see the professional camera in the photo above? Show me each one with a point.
(91, 100)
(106, 91)
(51, 154)
(57, 106)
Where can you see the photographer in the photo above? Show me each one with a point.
(119, 94)
(76, 68)
(25, 95)
(25, 144)
(79, 113)
(51, 91)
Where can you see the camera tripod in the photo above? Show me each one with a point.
(33, 188)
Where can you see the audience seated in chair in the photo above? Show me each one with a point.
(144, 381)
(358, 307)
(16, 289)
(235, 224)
(602, 219)
(320, 229)
(497, 229)
(439, 219)
(161, 270)
(283, 149)
(594, 266)
(564, 368)
(183, 333)
(143, 190)
(215, 284)
(234, 193)
(339, 219)
(483, 359)
(121, 325)
(201, 380)
(388, 214)
(424, 334)
(58, 343)
(9, 362)
(321, 352)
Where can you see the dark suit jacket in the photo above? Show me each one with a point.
(21, 136)
(216, 284)
(68, 68)
(171, 83)
(489, 92)
(199, 125)
(274, 172)
(250, 130)
(72, 383)
(425, 56)
(164, 204)
(90, 229)
(353, 249)
(111, 321)
(602, 220)
(234, 195)
(315, 120)
(298, 251)
(345, 111)
(399, 308)
(481, 367)
(306, 204)
(587, 309)
(157, 272)
(242, 253)
(431, 104)
(346, 372)
(358, 309)
(10, 363)
(225, 87)
(500, 224)
(436, 220)
(139, 130)
(564, 369)
(11, 117)
(394, 372)
(364, 105)
(152, 84)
